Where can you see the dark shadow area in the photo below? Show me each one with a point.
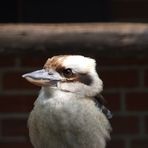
(43, 11)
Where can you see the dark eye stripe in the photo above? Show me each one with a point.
(81, 77)
(60, 69)
(85, 79)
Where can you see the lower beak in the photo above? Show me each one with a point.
(42, 78)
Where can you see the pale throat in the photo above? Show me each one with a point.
(48, 94)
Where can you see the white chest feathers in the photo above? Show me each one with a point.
(67, 121)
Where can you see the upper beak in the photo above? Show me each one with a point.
(43, 77)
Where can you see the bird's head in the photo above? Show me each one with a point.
(68, 73)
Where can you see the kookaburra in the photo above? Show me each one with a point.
(65, 114)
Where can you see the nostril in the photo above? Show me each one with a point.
(50, 73)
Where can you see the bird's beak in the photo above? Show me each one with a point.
(43, 77)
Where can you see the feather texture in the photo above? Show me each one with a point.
(65, 114)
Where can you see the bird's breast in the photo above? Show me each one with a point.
(72, 119)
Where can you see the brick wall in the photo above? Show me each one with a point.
(125, 88)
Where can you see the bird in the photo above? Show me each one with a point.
(67, 112)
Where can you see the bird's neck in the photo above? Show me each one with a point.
(46, 94)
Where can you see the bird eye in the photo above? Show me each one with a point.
(67, 72)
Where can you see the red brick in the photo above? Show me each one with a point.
(16, 103)
(7, 61)
(14, 127)
(137, 101)
(122, 61)
(113, 101)
(14, 81)
(116, 144)
(125, 125)
(139, 143)
(34, 61)
(119, 78)
(16, 145)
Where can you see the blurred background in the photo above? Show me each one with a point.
(125, 74)
(45, 11)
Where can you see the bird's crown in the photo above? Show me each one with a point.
(77, 62)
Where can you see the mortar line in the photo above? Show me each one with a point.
(142, 125)
(122, 101)
(17, 62)
(141, 78)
